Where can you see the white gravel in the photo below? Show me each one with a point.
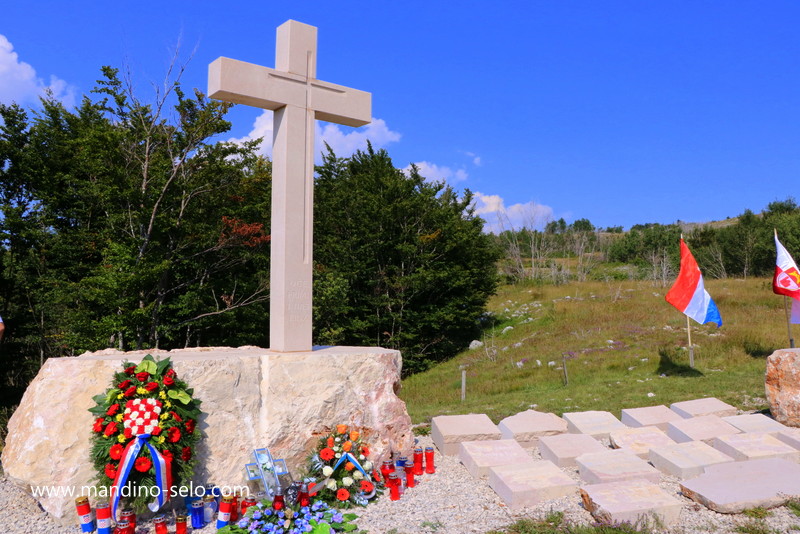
(447, 502)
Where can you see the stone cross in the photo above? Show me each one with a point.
(292, 91)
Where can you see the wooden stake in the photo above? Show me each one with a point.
(788, 322)
(691, 347)
(463, 384)
(566, 377)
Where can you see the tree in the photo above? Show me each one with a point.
(400, 262)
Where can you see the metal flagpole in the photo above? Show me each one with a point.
(691, 347)
(788, 322)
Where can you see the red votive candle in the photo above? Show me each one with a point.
(235, 507)
(278, 502)
(394, 487)
(418, 461)
(123, 527)
(180, 524)
(410, 474)
(247, 502)
(160, 522)
(302, 496)
(84, 514)
(429, 465)
(386, 468)
(130, 516)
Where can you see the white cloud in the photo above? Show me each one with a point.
(19, 82)
(344, 143)
(500, 217)
(439, 173)
(476, 159)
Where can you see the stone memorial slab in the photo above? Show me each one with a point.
(686, 460)
(658, 416)
(530, 483)
(528, 426)
(479, 456)
(615, 466)
(639, 440)
(631, 501)
(597, 424)
(733, 487)
(564, 448)
(753, 446)
(755, 422)
(448, 431)
(790, 436)
(702, 428)
(700, 407)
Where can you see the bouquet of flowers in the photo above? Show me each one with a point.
(318, 518)
(145, 431)
(341, 462)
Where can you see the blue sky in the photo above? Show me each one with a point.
(622, 112)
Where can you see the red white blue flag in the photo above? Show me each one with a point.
(689, 294)
(786, 280)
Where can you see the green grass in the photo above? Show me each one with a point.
(554, 524)
(755, 526)
(757, 513)
(625, 347)
(794, 506)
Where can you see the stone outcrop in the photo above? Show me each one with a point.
(782, 384)
(251, 397)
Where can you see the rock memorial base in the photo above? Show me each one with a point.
(251, 397)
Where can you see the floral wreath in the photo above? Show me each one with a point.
(144, 433)
(339, 470)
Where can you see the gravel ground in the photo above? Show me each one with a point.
(449, 501)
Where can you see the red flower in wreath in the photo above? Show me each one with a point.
(113, 409)
(111, 428)
(171, 373)
(330, 441)
(176, 416)
(130, 392)
(365, 450)
(190, 423)
(142, 464)
(173, 434)
(151, 386)
(156, 431)
(367, 486)
(130, 370)
(141, 377)
(168, 380)
(127, 433)
(98, 425)
(327, 454)
(342, 494)
(186, 454)
(124, 384)
(111, 471)
(116, 451)
(167, 455)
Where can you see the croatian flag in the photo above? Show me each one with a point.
(689, 295)
(787, 279)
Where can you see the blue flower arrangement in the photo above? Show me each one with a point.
(318, 518)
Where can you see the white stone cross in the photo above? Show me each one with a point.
(292, 91)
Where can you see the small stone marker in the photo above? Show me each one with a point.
(658, 416)
(686, 460)
(528, 426)
(448, 431)
(700, 407)
(639, 440)
(703, 428)
(755, 422)
(530, 483)
(755, 447)
(737, 486)
(615, 466)
(564, 448)
(631, 501)
(597, 424)
(479, 456)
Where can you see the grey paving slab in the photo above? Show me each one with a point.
(700, 407)
(639, 440)
(790, 436)
(686, 460)
(597, 424)
(479, 456)
(733, 487)
(528, 426)
(448, 431)
(755, 422)
(755, 446)
(658, 416)
(701, 428)
(530, 483)
(632, 501)
(615, 466)
(564, 448)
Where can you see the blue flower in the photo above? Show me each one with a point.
(257, 514)
(281, 514)
(243, 522)
(337, 517)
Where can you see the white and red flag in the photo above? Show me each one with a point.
(787, 278)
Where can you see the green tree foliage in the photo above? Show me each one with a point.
(401, 262)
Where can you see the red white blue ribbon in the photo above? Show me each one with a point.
(349, 457)
(161, 466)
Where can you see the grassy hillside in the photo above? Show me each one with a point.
(625, 347)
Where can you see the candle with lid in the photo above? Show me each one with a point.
(103, 512)
(123, 527)
(224, 516)
(198, 515)
(418, 461)
(302, 496)
(429, 465)
(394, 487)
(180, 524)
(130, 516)
(160, 524)
(247, 502)
(84, 514)
(410, 474)
(277, 502)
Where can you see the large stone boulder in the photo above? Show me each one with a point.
(251, 397)
(782, 384)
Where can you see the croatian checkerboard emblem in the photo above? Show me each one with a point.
(141, 415)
